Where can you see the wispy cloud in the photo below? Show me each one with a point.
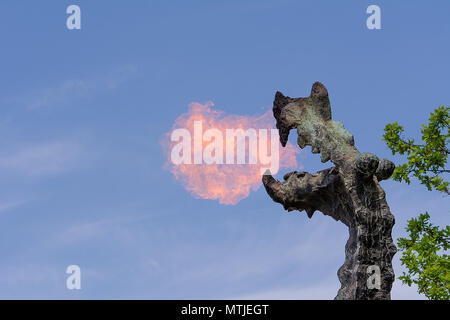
(27, 274)
(74, 88)
(41, 159)
(116, 226)
(10, 205)
(58, 94)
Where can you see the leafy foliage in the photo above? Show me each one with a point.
(424, 252)
(426, 268)
(426, 161)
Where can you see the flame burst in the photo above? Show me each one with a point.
(228, 183)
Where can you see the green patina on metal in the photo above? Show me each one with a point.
(348, 192)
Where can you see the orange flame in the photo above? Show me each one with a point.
(229, 183)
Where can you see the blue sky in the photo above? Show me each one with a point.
(82, 113)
